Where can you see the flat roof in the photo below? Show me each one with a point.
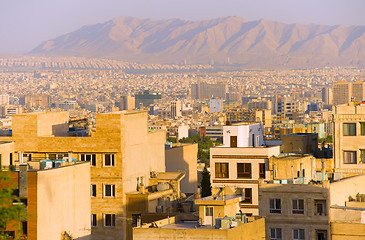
(168, 176)
(186, 225)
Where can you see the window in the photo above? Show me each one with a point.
(209, 211)
(349, 157)
(275, 206)
(93, 190)
(362, 128)
(109, 220)
(25, 227)
(298, 234)
(221, 170)
(89, 157)
(275, 233)
(349, 129)
(109, 160)
(93, 220)
(262, 170)
(320, 207)
(298, 206)
(243, 170)
(109, 190)
(362, 155)
(321, 234)
(248, 195)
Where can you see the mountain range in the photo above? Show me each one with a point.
(225, 41)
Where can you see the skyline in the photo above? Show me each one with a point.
(26, 24)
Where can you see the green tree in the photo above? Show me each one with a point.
(205, 183)
(9, 212)
(171, 139)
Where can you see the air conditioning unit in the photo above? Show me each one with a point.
(225, 224)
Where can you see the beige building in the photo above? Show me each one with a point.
(240, 162)
(219, 219)
(349, 139)
(121, 151)
(57, 200)
(183, 158)
(345, 92)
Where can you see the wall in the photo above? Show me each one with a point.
(184, 159)
(63, 202)
(341, 190)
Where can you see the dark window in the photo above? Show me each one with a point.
(298, 234)
(275, 233)
(244, 170)
(298, 206)
(321, 234)
(248, 195)
(349, 129)
(109, 190)
(349, 157)
(221, 170)
(109, 220)
(362, 155)
(262, 170)
(109, 160)
(25, 228)
(320, 207)
(233, 141)
(275, 206)
(93, 190)
(11, 159)
(90, 158)
(93, 220)
(362, 128)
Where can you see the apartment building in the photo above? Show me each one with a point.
(121, 152)
(349, 138)
(345, 92)
(241, 161)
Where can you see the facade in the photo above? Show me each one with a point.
(345, 92)
(206, 90)
(146, 98)
(126, 103)
(240, 162)
(302, 143)
(214, 131)
(260, 104)
(216, 105)
(327, 96)
(349, 137)
(121, 151)
(57, 200)
(183, 158)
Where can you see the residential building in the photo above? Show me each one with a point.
(127, 103)
(120, 151)
(240, 162)
(327, 96)
(206, 90)
(216, 105)
(345, 92)
(146, 99)
(302, 143)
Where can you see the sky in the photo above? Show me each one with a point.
(24, 24)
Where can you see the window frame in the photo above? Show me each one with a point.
(246, 171)
(247, 195)
(352, 159)
(112, 190)
(322, 202)
(362, 128)
(277, 231)
(349, 131)
(274, 209)
(296, 210)
(220, 173)
(94, 220)
(112, 160)
(262, 172)
(93, 190)
(84, 157)
(112, 220)
(299, 230)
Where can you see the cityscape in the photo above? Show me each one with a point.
(142, 129)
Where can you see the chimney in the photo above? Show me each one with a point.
(23, 180)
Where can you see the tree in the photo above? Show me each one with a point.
(205, 183)
(9, 212)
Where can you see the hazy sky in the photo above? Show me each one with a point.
(24, 24)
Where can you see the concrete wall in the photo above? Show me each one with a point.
(347, 231)
(63, 204)
(184, 159)
(6, 148)
(341, 190)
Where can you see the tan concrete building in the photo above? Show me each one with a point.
(57, 200)
(121, 151)
(349, 139)
(219, 218)
(184, 158)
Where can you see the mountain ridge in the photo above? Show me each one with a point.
(228, 41)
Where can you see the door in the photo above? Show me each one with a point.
(208, 218)
(233, 141)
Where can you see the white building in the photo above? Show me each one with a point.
(216, 104)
